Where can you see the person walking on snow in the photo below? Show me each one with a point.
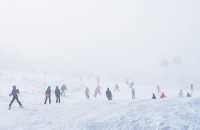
(14, 94)
(87, 93)
(109, 94)
(57, 94)
(48, 95)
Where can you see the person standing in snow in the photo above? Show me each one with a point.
(48, 95)
(131, 84)
(109, 94)
(154, 96)
(191, 89)
(57, 94)
(117, 88)
(87, 93)
(158, 89)
(14, 94)
(180, 93)
(188, 95)
(97, 91)
(63, 90)
(133, 92)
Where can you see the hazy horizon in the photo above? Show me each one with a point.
(141, 39)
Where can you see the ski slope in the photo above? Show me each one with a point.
(178, 114)
(77, 113)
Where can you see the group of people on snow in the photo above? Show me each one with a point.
(188, 93)
(58, 93)
(97, 92)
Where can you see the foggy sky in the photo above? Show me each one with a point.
(137, 38)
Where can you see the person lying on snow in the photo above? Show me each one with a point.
(14, 94)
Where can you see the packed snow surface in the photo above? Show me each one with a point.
(77, 113)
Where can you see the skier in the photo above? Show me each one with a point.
(15, 93)
(63, 90)
(109, 94)
(188, 95)
(180, 93)
(154, 96)
(57, 94)
(87, 93)
(162, 96)
(48, 95)
(133, 92)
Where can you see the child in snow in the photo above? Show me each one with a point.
(57, 94)
(15, 93)
(162, 96)
(109, 94)
(48, 95)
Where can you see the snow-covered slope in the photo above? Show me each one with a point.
(77, 113)
(173, 114)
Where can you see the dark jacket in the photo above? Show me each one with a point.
(48, 91)
(57, 92)
(154, 96)
(14, 92)
(109, 94)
